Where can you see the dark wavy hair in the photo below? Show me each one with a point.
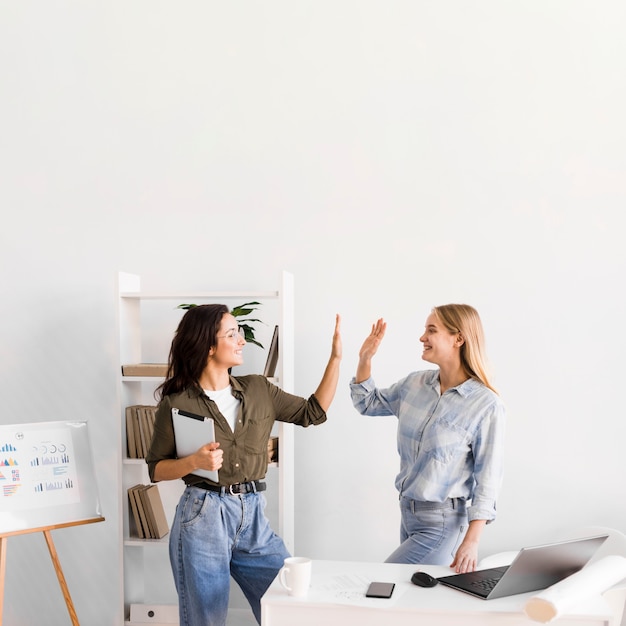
(195, 336)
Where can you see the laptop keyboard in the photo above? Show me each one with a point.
(486, 585)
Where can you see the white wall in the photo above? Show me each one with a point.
(393, 156)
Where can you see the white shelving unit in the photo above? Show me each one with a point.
(147, 577)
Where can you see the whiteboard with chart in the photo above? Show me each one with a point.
(46, 475)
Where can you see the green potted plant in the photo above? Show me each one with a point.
(240, 312)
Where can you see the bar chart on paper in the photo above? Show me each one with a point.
(38, 469)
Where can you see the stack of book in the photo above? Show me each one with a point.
(148, 519)
(139, 429)
(145, 369)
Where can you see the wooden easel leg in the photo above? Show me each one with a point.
(61, 577)
(3, 568)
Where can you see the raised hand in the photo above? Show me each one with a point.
(369, 349)
(372, 341)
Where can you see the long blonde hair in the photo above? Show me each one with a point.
(464, 319)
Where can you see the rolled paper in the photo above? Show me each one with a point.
(592, 580)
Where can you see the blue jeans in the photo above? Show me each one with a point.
(214, 537)
(430, 532)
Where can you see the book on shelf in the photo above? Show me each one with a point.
(139, 429)
(272, 450)
(148, 520)
(272, 356)
(141, 497)
(135, 523)
(145, 369)
(131, 444)
(156, 511)
(146, 416)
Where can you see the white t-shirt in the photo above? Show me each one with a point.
(226, 403)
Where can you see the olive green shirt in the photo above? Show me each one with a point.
(245, 450)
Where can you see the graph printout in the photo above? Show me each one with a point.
(46, 475)
(38, 468)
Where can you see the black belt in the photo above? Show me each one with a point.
(233, 490)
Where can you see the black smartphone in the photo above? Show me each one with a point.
(380, 590)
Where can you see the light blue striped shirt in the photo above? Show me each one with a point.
(450, 445)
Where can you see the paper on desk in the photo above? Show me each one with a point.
(592, 580)
(349, 589)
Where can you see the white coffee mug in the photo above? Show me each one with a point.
(295, 575)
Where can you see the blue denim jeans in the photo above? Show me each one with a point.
(214, 537)
(430, 532)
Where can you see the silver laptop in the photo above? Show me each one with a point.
(534, 568)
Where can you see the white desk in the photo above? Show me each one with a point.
(336, 597)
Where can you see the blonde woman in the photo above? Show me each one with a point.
(450, 439)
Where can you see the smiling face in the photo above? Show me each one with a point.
(441, 347)
(229, 349)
